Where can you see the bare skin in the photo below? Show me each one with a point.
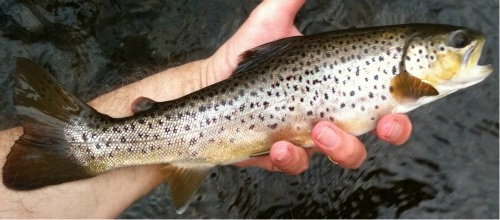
(107, 195)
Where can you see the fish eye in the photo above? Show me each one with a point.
(459, 39)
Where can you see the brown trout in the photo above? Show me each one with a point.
(278, 92)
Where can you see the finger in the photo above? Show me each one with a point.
(346, 150)
(278, 12)
(289, 158)
(394, 129)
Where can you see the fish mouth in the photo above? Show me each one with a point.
(471, 72)
(468, 59)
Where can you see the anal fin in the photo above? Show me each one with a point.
(183, 183)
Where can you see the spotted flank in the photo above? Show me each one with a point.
(279, 91)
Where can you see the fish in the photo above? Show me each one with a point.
(279, 91)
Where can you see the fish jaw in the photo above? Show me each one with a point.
(468, 78)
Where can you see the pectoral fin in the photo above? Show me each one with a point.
(183, 184)
(405, 87)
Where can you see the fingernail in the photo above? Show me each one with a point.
(282, 154)
(328, 137)
(395, 130)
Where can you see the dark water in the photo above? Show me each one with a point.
(448, 169)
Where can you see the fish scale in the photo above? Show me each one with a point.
(279, 91)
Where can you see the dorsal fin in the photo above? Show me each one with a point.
(253, 57)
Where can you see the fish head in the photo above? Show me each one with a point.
(440, 60)
(447, 58)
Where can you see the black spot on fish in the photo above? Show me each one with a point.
(84, 137)
(351, 93)
(150, 125)
(123, 140)
(192, 141)
(98, 146)
(273, 126)
(342, 105)
(251, 127)
(375, 77)
(309, 113)
(228, 117)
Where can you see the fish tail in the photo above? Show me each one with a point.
(41, 156)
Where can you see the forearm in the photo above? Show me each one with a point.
(166, 85)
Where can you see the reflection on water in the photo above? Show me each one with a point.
(448, 169)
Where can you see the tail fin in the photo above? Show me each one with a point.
(41, 157)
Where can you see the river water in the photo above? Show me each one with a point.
(448, 169)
